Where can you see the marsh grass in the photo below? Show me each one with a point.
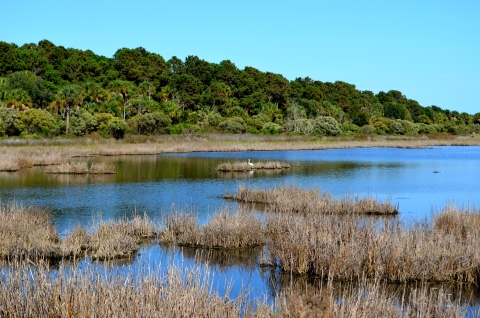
(239, 166)
(224, 230)
(291, 199)
(80, 167)
(102, 168)
(343, 248)
(27, 232)
(34, 292)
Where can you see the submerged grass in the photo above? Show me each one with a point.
(291, 199)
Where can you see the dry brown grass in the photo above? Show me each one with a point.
(89, 293)
(342, 247)
(224, 230)
(239, 166)
(80, 167)
(26, 232)
(291, 199)
(102, 168)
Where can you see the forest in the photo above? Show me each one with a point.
(48, 90)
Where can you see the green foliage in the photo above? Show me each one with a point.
(78, 126)
(396, 128)
(117, 128)
(366, 130)
(13, 126)
(395, 110)
(152, 123)
(214, 119)
(103, 119)
(424, 129)
(408, 127)
(271, 129)
(327, 126)
(360, 118)
(2, 129)
(233, 125)
(37, 121)
(348, 127)
(183, 128)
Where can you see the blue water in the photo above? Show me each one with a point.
(418, 180)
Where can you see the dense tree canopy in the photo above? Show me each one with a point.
(101, 92)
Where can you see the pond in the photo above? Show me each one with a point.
(419, 181)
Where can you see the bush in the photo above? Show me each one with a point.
(234, 125)
(271, 129)
(396, 128)
(367, 130)
(153, 123)
(2, 129)
(183, 128)
(13, 126)
(408, 127)
(349, 128)
(37, 121)
(301, 126)
(77, 126)
(214, 119)
(327, 126)
(117, 128)
(426, 129)
(103, 119)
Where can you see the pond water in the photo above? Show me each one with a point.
(418, 180)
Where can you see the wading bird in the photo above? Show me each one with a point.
(250, 164)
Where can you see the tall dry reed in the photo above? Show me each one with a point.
(342, 247)
(224, 230)
(80, 167)
(102, 168)
(291, 199)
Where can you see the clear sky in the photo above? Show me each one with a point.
(428, 50)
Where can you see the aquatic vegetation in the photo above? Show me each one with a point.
(224, 230)
(102, 168)
(69, 168)
(238, 166)
(288, 199)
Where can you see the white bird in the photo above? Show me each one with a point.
(250, 164)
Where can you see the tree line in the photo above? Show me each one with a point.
(49, 90)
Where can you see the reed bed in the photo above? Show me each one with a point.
(370, 299)
(69, 168)
(102, 168)
(224, 230)
(27, 232)
(239, 166)
(34, 292)
(291, 199)
(343, 248)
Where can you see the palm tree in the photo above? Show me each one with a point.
(126, 91)
(67, 97)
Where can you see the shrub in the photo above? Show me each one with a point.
(2, 129)
(396, 128)
(348, 127)
(37, 121)
(183, 128)
(117, 128)
(13, 126)
(214, 119)
(234, 125)
(367, 130)
(271, 129)
(77, 126)
(408, 126)
(153, 123)
(103, 119)
(327, 126)
(426, 129)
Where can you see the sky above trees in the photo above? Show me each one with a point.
(428, 50)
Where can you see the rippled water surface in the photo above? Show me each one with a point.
(418, 180)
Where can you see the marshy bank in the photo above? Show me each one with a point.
(16, 154)
(239, 166)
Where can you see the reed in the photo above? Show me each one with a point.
(102, 168)
(345, 248)
(69, 168)
(239, 166)
(224, 230)
(27, 232)
(291, 199)
(35, 292)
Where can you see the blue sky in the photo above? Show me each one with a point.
(429, 50)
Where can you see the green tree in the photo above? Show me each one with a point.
(126, 91)
(37, 121)
(67, 98)
(117, 128)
